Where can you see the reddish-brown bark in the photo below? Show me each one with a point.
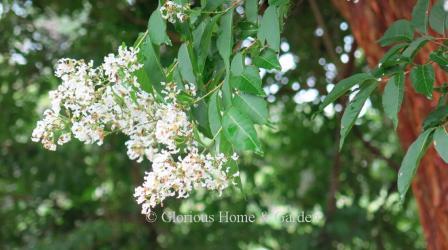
(368, 20)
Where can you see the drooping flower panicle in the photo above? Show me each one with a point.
(92, 102)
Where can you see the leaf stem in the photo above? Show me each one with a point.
(210, 92)
(141, 40)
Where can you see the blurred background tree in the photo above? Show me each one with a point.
(81, 197)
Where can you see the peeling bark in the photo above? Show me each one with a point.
(368, 20)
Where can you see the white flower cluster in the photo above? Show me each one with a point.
(93, 102)
(174, 12)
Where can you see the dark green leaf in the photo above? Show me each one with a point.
(270, 28)
(353, 109)
(268, 60)
(436, 118)
(157, 29)
(149, 57)
(419, 16)
(441, 143)
(415, 46)
(399, 31)
(440, 58)
(393, 97)
(239, 130)
(411, 161)
(343, 86)
(253, 106)
(225, 40)
(200, 114)
(391, 56)
(423, 78)
(249, 81)
(203, 40)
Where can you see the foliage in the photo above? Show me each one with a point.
(395, 65)
(81, 197)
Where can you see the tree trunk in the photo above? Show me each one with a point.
(368, 20)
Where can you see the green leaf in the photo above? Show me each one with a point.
(353, 109)
(211, 5)
(278, 2)
(149, 57)
(423, 78)
(239, 130)
(438, 17)
(393, 52)
(270, 28)
(439, 58)
(237, 66)
(224, 44)
(413, 48)
(251, 10)
(185, 65)
(214, 115)
(203, 38)
(268, 60)
(249, 81)
(157, 29)
(441, 143)
(399, 31)
(393, 97)
(225, 39)
(343, 86)
(419, 16)
(200, 114)
(253, 106)
(411, 161)
(436, 118)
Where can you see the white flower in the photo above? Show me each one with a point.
(93, 102)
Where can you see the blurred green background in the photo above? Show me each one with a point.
(81, 196)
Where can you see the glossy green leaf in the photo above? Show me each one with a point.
(185, 65)
(419, 16)
(249, 81)
(343, 86)
(438, 17)
(269, 30)
(393, 97)
(254, 107)
(239, 130)
(423, 78)
(353, 109)
(441, 143)
(411, 161)
(157, 29)
(399, 31)
(268, 60)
